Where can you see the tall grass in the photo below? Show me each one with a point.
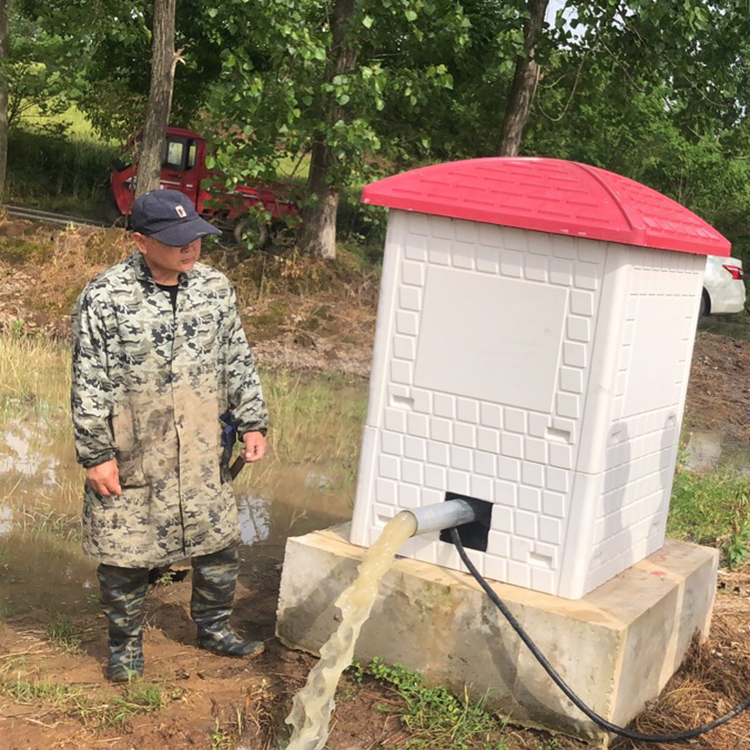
(314, 419)
(57, 172)
(34, 377)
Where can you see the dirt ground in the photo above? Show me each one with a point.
(218, 703)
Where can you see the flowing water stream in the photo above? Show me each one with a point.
(313, 705)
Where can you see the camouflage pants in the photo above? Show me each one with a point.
(123, 592)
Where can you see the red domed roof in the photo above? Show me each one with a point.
(550, 195)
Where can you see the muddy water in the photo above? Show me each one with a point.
(41, 563)
(708, 450)
(313, 705)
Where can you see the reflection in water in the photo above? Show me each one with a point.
(295, 501)
(41, 562)
(254, 523)
(18, 456)
(6, 520)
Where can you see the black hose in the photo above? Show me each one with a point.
(550, 670)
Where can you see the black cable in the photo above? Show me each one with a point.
(550, 670)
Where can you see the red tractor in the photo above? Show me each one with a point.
(184, 169)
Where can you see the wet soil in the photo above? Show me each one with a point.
(214, 702)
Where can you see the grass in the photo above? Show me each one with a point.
(712, 509)
(58, 173)
(435, 717)
(77, 701)
(63, 636)
(34, 377)
(75, 123)
(315, 419)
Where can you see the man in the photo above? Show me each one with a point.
(159, 355)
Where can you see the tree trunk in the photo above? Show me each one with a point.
(525, 79)
(163, 63)
(318, 235)
(3, 95)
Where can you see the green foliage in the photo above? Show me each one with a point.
(220, 739)
(435, 717)
(658, 92)
(277, 90)
(41, 80)
(712, 509)
(57, 171)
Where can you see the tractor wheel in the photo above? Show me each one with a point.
(283, 235)
(247, 230)
(112, 214)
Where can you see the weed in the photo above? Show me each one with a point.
(220, 740)
(436, 717)
(59, 173)
(138, 698)
(712, 509)
(28, 691)
(735, 548)
(62, 635)
(261, 722)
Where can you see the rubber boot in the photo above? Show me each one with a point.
(123, 592)
(214, 580)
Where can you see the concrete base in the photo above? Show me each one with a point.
(616, 647)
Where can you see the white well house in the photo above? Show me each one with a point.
(533, 345)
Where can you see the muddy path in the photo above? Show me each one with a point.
(203, 700)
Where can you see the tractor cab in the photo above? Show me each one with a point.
(183, 168)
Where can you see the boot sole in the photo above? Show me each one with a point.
(251, 655)
(120, 677)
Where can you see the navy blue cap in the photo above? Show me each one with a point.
(169, 216)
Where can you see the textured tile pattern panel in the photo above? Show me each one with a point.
(525, 461)
(650, 385)
(437, 441)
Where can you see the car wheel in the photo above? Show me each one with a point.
(247, 230)
(704, 308)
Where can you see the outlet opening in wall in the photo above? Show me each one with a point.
(473, 535)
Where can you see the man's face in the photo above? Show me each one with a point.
(167, 259)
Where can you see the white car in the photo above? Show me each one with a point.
(723, 287)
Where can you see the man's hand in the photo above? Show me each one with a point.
(105, 478)
(255, 446)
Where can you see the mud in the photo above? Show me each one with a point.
(218, 703)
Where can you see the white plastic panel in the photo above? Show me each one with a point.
(507, 368)
(470, 344)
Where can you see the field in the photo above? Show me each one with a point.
(312, 326)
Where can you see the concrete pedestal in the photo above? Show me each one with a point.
(616, 647)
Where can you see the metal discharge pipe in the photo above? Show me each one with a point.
(449, 514)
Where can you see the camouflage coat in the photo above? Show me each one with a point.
(149, 386)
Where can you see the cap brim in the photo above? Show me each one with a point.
(185, 232)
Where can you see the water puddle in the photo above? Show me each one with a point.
(313, 705)
(41, 562)
(708, 450)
